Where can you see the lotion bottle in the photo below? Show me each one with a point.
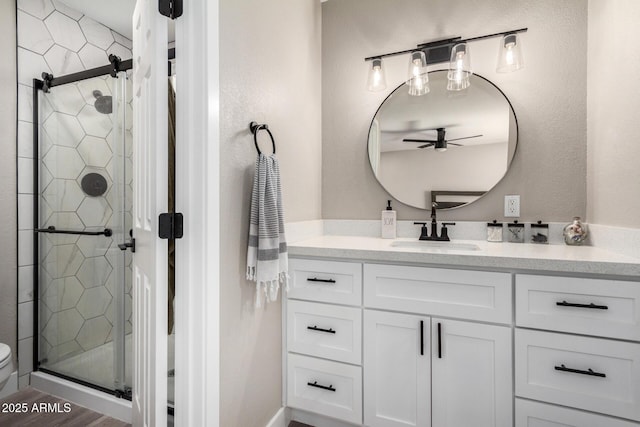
(388, 222)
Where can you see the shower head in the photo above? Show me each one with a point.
(104, 104)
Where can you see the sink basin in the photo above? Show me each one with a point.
(431, 245)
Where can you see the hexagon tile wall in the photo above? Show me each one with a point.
(76, 139)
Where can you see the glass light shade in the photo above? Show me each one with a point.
(459, 68)
(510, 54)
(418, 76)
(440, 146)
(376, 81)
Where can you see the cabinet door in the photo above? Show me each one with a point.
(397, 383)
(472, 374)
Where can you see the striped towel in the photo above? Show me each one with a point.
(267, 261)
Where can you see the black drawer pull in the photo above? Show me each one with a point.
(315, 279)
(592, 305)
(315, 328)
(422, 338)
(324, 387)
(589, 372)
(439, 340)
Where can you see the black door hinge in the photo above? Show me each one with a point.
(170, 8)
(170, 226)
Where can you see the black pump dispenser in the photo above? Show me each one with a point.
(389, 208)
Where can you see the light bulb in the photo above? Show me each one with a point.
(376, 81)
(509, 54)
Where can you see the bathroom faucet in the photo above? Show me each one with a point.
(444, 233)
(434, 222)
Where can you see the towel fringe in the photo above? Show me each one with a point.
(251, 273)
(268, 291)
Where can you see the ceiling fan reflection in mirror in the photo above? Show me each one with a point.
(441, 143)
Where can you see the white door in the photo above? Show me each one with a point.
(149, 386)
(471, 374)
(397, 383)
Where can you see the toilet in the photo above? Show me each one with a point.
(6, 367)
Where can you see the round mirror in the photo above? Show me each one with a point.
(445, 147)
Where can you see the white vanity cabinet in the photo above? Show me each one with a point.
(471, 363)
(397, 370)
(435, 372)
(385, 345)
(596, 371)
(324, 339)
(471, 367)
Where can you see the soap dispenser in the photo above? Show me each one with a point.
(388, 222)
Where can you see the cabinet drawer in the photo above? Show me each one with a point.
(536, 414)
(475, 295)
(323, 330)
(328, 388)
(609, 308)
(556, 368)
(326, 281)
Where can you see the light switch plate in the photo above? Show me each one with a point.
(512, 206)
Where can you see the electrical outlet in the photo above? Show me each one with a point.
(512, 206)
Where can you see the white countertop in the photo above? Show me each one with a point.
(511, 256)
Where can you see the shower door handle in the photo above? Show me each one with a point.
(52, 230)
(130, 244)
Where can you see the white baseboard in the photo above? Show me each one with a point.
(11, 386)
(317, 419)
(279, 419)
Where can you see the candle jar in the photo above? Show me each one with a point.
(494, 231)
(575, 233)
(540, 233)
(515, 231)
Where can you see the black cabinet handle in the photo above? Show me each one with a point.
(592, 305)
(422, 338)
(324, 387)
(315, 328)
(439, 340)
(315, 279)
(589, 372)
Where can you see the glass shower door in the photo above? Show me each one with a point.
(123, 181)
(81, 270)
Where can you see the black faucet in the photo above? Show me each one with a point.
(434, 222)
(444, 234)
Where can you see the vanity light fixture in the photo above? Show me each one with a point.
(453, 50)
(418, 76)
(376, 81)
(510, 54)
(460, 72)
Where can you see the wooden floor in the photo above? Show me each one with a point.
(45, 410)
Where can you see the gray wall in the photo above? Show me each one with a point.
(548, 96)
(8, 224)
(613, 104)
(270, 72)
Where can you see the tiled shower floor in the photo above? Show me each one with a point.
(96, 365)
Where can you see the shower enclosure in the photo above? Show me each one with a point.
(82, 217)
